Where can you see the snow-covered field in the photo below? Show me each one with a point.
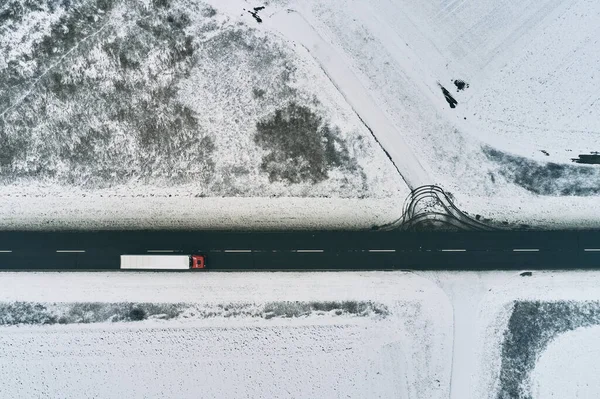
(573, 378)
(509, 330)
(497, 150)
(337, 352)
(121, 211)
(135, 100)
(201, 99)
(377, 334)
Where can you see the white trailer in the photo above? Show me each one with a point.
(155, 262)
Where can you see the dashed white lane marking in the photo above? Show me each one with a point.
(454, 250)
(382, 250)
(67, 251)
(592, 249)
(5, 251)
(526, 250)
(309, 250)
(238, 250)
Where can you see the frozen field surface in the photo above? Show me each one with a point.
(574, 378)
(182, 212)
(287, 360)
(378, 334)
(335, 351)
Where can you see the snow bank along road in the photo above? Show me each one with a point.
(306, 250)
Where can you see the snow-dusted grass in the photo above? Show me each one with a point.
(108, 96)
(304, 335)
(531, 328)
(553, 377)
(275, 109)
(178, 93)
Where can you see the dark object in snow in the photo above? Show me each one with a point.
(526, 274)
(302, 147)
(255, 13)
(545, 152)
(460, 84)
(137, 314)
(451, 101)
(592, 158)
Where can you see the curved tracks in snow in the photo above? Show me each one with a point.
(418, 208)
(417, 212)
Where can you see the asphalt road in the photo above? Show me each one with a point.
(307, 250)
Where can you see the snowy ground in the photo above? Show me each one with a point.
(297, 101)
(121, 211)
(527, 107)
(379, 334)
(574, 378)
(336, 353)
(189, 103)
(509, 330)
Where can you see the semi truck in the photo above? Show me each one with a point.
(163, 262)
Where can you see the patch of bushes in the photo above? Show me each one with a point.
(14, 10)
(302, 147)
(83, 312)
(8, 149)
(298, 309)
(209, 12)
(137, 314)
(25, 313)
(161, 3)
(98, 312)
(546, 178)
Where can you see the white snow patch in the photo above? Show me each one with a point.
(402, 355)
(569, 367)
(170, 208)
(189, 362)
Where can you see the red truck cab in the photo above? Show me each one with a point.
(198, 262)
